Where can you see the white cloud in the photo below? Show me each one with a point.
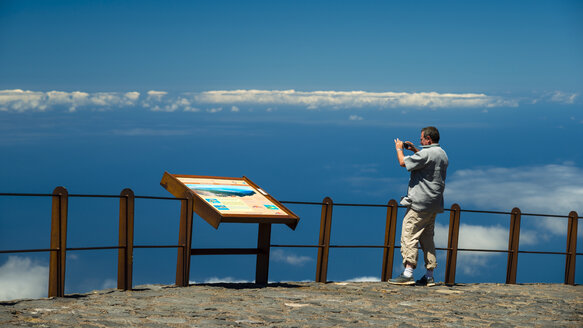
(109, 284)
(351, 99)
(21, 278)
(153, 101)
(217, 280)
(480, 237)
(560, 97)
(132, 96)
(180, 103)
(364, 279)
(215, 110)
(548, 189)
(563, 97)
(355, 118)
(20, 100)
(157, 95)
(279, 255)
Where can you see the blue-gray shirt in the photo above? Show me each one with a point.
(428, 170)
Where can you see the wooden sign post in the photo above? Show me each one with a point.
(229, 200)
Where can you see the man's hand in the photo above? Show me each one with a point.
(398, 144)
(411, 146)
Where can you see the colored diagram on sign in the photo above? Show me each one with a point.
(222, 190)
(232, 196)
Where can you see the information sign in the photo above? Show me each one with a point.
(221, 199)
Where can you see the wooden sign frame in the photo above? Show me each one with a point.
(175, 184)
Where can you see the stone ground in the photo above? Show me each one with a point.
(307, 304)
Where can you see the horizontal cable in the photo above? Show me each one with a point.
(360, 205)
(24, 194)
(224, 251)
(483, 250)
(540, 252)
(28, 250)
(378, 246)
(158, 246)
(485, 212)
(285, 202)
(299, 246)
(546, 215)
(357, 246)
(94, 196)
(160, 197)
(126, 196)
(509, 251)
(302, 203)
(342, 246)
(87, 196)
(445, 209)
(93, 248)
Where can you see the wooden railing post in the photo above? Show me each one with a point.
(389, 249)
(58, 258)
(452, 244)
(513, 242)
(125, 254)
(571, 248)
(324, 240)
(263, 248)
(184, 241)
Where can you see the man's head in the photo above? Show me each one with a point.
(429, 135)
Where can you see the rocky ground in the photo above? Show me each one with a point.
(307, 304)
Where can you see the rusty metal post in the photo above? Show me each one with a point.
(58, 258)
(324, 240)
(571, 248)
(452, 244)
(125, 253)
(513, 242)
(263, 247)
(184, 240)
(389, 249)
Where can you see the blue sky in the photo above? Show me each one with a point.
(303, 97)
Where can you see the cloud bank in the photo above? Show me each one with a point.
(364, 279)
(480, 237)
(279, 255)
(567, 98)
(215, 100)
(21, 101)
(225, 280)
(350, 99)
(21, 278)
(547, 189)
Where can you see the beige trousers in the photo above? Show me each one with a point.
(418, 227)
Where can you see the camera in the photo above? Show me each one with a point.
(407, 146)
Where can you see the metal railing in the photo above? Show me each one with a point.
(452, 244)
(58, 244)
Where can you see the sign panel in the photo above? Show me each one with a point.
(221, 199)
(233, 196)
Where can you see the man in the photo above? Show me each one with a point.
(424, 200)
